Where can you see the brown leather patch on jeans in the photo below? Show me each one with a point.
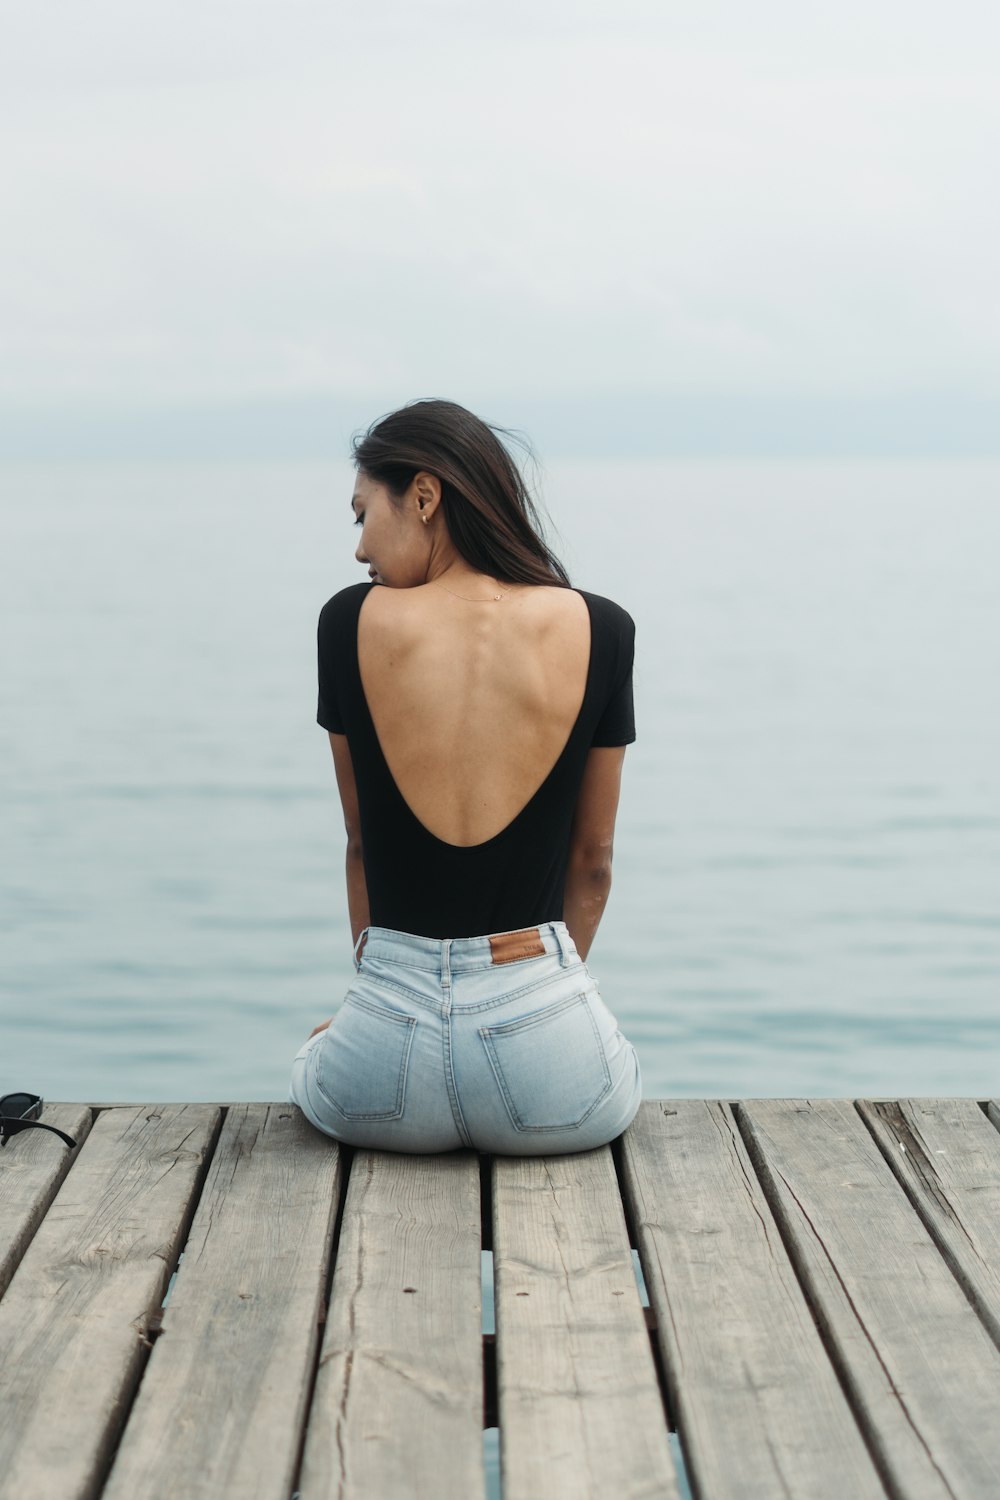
(508, 947)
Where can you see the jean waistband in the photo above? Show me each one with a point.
(456, 955)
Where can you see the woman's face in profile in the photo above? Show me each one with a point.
(392, 545)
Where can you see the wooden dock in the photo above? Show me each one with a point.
(208, 1300)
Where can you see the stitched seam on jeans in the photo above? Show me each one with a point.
(539, 987)
(451, 1083)
(373, 1008)
(539, 1017)
(378, 982)
(374, 956)
(464, 967)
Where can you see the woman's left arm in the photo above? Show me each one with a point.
(357, 886)
(588, 874)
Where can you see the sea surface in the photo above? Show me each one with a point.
(807, 868)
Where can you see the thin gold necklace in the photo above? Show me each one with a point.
(469, 599)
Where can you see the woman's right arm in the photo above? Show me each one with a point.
(357, 888)
(588, 874)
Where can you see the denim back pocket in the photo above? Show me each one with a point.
(550, 1066)
(361, 1070)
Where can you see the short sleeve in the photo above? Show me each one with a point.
(340, 696)
(617, 722)
(328, 710)
(616, 725)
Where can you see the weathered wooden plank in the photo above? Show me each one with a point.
(580, 1407)
(920, 1369)
(398, 1405)
(73, 1321)
(222, 1403)
(758, 1405)
(946, 1154)
(32, 1166)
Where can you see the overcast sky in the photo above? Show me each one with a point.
(265, 201)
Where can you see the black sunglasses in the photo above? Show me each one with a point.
(20, 1112)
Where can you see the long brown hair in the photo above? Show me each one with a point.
(490, 515)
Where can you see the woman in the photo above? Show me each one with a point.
(478, 710)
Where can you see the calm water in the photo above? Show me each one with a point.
(807, 892)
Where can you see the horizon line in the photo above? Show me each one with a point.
(592, 425)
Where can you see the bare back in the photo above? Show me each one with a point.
(473, 702)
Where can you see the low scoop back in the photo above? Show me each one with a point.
(469, 726)
(472, 700)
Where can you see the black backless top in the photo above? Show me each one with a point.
(418, 883)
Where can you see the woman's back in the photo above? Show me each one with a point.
(473, 698)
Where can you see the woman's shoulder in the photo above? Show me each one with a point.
(609, 615)
(343, 607)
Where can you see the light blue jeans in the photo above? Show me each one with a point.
(439, 1046)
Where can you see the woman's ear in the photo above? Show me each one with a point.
(425, 490)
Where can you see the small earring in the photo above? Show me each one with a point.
(425, 519)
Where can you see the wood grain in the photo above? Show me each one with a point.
(398, 1404)
(74, 1320)
(580, 1407)
(221, 1407)
(920, 1369)
(946, 1154)
(32, 1166)
(758, 1406)
(828, 1306)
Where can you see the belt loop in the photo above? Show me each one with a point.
(446, 963)
(561, 934)
(359, 948)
